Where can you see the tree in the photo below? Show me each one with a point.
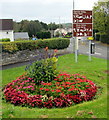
(33, 28)
(52, 26)
(101, 17)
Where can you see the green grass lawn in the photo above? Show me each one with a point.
(95, 70)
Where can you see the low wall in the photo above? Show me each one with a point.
(25, 55)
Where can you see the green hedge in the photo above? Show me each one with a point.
(5, 40)
(105, 38)
(97, 38)
(43, 35)
(54, 43)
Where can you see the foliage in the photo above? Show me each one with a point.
(44, 68)
(43, 35)
(9, 47)
(5, 40)
(68, 35)
(65, 90)
(105, 38)
(52, 26)
(32, 27)
(97, 36)
(101, 17)
(54, 43)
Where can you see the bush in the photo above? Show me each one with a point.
(5, 40)
(20, 39)
(55, 43)
(97, 37)
(68, 35)
(9, 47)
(43, 69)
(43, 35)
(105, 38)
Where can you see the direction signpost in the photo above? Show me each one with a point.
(82, 27)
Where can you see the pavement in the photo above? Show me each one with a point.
(101, 51)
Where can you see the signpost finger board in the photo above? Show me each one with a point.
(82, 23)
(82, 27)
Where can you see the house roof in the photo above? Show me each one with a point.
(6, 24)
(23, 35)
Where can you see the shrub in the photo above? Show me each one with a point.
(97, 37)
(68, 35)
(44, 69)
(43, 35)
(105, 38)
(54, 43)
(20, 39)
(9, 47)
(5, 40)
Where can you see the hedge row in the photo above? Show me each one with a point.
(104, 38)
(5, 40)
(55, 43)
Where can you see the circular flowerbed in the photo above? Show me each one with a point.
(65, 90)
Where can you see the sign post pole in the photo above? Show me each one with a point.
(89, 50)
(76, 49)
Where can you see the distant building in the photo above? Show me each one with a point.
(62, 31)
(6, 29)
(21, 35)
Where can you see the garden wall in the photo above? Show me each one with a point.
(25, 55)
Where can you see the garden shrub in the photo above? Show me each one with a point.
(43, 35)
(20, 39)
(105, 38)
(54, 43)
(9, 47)
(97, 37)
(44, 68)
(5, 40)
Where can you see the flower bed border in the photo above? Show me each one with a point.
(14, 93)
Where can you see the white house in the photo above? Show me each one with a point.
(6, 29)
(62, 31)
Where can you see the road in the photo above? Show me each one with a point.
(101, 50)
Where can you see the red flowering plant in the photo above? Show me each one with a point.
(65, 90)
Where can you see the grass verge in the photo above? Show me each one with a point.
(95, 70)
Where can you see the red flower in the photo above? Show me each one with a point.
(47, 89)
(71, 89)
(58, 90)
(55, 50)
(46, 48)
(41, 88)
(52, 90)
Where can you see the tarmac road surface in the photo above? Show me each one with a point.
(101, 50)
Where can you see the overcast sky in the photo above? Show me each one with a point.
(59, 11)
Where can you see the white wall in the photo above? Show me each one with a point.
(7, 34)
